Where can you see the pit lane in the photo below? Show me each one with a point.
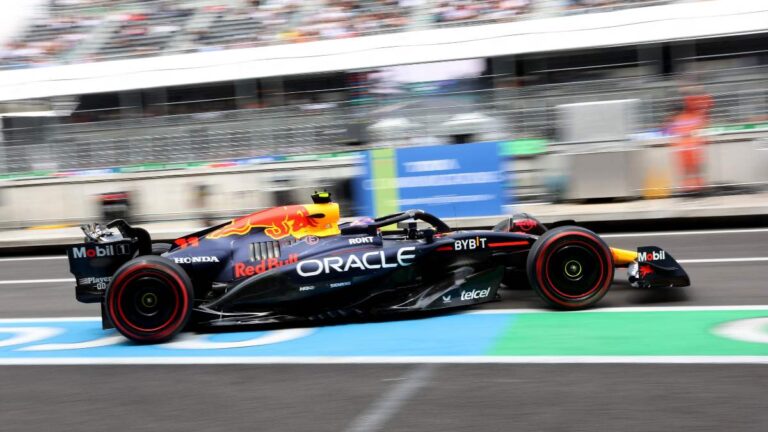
(366, 397)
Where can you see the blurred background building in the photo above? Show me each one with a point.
(207, 108)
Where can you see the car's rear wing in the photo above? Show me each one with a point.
(105, 249)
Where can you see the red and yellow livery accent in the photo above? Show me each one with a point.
(623, 257)
(321, 220)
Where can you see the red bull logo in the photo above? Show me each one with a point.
(277, 222)
(244, 270)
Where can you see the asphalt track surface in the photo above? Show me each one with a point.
(406, 397)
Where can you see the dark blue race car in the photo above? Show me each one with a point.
(298, 264)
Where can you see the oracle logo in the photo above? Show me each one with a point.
(371, 260)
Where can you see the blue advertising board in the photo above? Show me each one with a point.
(448, 181)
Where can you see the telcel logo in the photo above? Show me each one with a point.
(370, 260)
(659, 255)
(475, 294)
(100, 251)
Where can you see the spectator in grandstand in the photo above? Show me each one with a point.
(609, 4)
(462, 10)
(350, 18)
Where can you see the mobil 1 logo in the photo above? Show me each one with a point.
(651, 254)
(100, 251)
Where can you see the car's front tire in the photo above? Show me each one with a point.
(570, 267)
(149, 299)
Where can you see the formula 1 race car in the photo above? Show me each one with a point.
(298, 264)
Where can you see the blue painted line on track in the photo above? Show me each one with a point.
(452, 335)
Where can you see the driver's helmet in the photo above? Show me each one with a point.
(363, 221)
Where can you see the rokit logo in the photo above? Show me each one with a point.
(370, 260)
(101, 251)
(658, 255)
(243, 269)
(360, 240)
(475, 294)
(469, 244)
(196, 259)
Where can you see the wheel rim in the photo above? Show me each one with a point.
(574, 270)
(148, 303)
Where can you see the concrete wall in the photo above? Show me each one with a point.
(234, 191)
(652, 170)
(168, 195)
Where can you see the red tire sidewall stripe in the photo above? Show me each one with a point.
(120, 311)
(603, 280)
(179, 307)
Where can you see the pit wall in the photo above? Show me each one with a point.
(168, 195)
(652, 170)
(649, 171)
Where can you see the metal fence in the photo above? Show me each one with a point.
(495, 114)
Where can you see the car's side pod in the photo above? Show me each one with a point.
(654, 267)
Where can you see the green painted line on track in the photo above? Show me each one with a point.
(672, 333)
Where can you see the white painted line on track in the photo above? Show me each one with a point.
(621, 309)
(684, 233)
(33, 258)
(35, 281)
(384, 408)
(48, 320)
(722, 260)
(105, 341)
(639, 359)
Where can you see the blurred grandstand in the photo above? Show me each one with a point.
(67, 31)
(505, 97)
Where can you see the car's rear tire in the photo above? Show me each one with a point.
(570, 267)
(149, 299)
